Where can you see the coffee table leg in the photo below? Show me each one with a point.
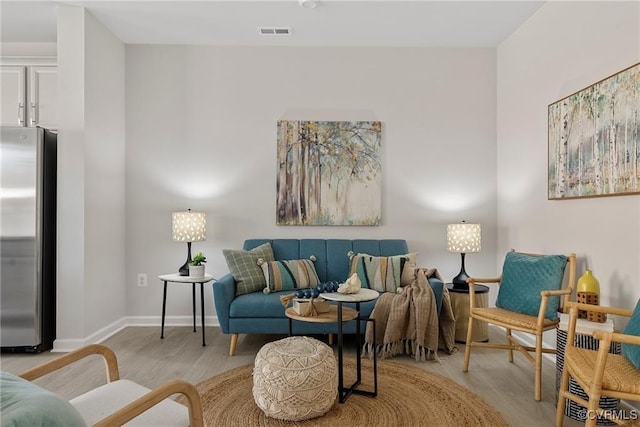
(341, 396)
(375, 359)
(358, 345)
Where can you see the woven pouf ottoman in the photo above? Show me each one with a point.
(294, 379)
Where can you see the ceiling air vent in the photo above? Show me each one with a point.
(278, 31)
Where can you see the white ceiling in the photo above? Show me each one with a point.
(451, 23)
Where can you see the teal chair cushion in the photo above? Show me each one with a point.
(631, 351)
(524, 277)
(24, 404)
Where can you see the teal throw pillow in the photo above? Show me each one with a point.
(24, 404)
(524, 277)
(632, 351)
(381, 273)
(290, 274)
(244, 267)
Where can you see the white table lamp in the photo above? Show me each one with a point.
(463, 238)
(188, 227)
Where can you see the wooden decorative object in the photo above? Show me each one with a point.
(592, 299)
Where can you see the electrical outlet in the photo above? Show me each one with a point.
(142, 279)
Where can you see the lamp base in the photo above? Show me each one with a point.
(184, 269)
(460, 281)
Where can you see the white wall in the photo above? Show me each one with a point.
(105, 183)
(91, 176)
(201, 134)
(564, 47)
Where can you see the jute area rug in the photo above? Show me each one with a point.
(407, 396)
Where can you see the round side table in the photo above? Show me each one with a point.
(363, 295)
(460, 306)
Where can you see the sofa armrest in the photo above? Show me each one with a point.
(438, 288)
(224, 291)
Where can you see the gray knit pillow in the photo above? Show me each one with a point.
(244, 267)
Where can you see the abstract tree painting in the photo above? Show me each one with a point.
(328, 173)
(594, 139)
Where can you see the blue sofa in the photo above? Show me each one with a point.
(257, 313)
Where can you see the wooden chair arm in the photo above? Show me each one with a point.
(556, 293)
(154, 397)
(111, 362)
(600, 309)
(616, 337)
(483, 280)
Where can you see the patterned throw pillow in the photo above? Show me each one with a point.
(244, 267)
(382, 274)
(409, 270)
(631, 351)
(291, 274)
(524, 277)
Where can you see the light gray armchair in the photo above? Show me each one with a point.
(117, 402)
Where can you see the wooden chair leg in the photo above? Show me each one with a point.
(562, 400)
(592, 410)
(538, 368)
(467, 347)
(232, 346)
(509, 341)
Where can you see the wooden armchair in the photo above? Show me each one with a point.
(120, 401)
(598, 372)
(528, 300)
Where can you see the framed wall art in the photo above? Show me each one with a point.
(594, 139)
(328, 173)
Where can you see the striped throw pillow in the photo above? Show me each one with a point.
(290, 274)
(383, 274)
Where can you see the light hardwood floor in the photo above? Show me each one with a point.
(145, 358)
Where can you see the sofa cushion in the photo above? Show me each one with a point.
(289, 274)
(257, 305)
(244, 267)
(524, 277)
(24, 404)
(380, 273)
(332, 261)
(631, 351)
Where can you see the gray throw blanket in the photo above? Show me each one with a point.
(407, 322)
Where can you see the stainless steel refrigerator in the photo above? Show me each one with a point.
(27, 238)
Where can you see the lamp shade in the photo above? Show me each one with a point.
(189, 226)
(463, 238)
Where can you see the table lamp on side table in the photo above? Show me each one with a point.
(463, 238)
(188, 227)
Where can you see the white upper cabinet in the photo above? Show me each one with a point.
(43, 97)
(13, 93)
(29, 96)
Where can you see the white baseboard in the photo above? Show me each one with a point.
(170, 321)
(66, 345)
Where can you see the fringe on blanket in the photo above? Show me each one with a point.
(410, 347)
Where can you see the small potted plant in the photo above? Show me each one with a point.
(196, 267)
